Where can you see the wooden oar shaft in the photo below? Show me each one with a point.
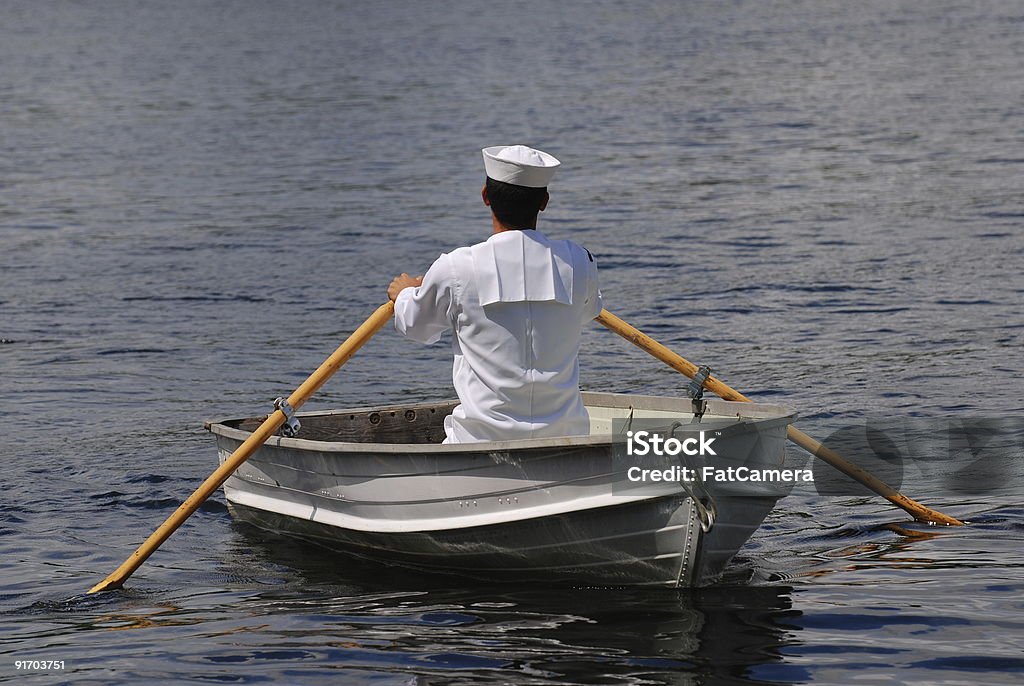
(258, 437)
(724, 391)
(672, 359)
(826, 454)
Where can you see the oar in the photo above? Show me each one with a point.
(267, 429)
(645, 342)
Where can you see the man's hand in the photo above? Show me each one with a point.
(400, 283)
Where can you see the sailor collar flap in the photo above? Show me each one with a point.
(523, 266)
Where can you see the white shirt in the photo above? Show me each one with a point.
(516, 304)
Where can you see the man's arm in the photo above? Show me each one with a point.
(422, 303)
(401, 282)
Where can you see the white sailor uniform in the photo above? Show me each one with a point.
(516, 305)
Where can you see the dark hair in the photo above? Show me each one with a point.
(515, 206)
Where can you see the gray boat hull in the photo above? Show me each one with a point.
(557, 510)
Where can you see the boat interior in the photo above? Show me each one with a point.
(424, 423)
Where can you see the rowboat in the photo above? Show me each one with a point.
(377, 482)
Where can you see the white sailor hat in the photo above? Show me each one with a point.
(519, 165)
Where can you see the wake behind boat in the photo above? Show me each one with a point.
(378, 483)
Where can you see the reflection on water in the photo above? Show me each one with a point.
(339, 616)
(550, 635)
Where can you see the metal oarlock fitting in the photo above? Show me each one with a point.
(291, 426)
(695, 389)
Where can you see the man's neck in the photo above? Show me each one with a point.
(498, 227)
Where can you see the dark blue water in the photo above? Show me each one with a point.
(199, 200)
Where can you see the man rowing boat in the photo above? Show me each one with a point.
(516, 305)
